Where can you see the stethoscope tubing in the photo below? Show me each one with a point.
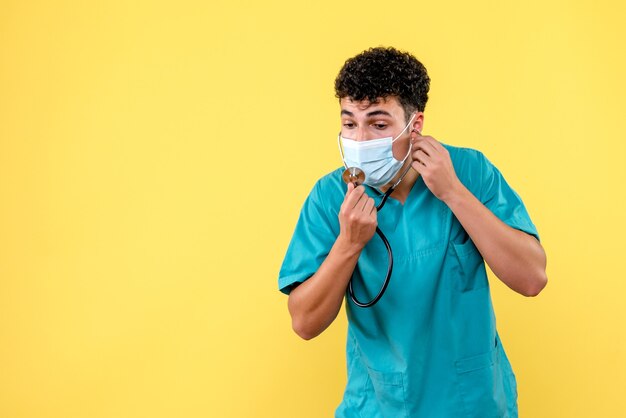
(389, 266)
(387, 277)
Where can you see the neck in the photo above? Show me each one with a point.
(402, 190)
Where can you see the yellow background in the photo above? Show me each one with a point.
(154, 157)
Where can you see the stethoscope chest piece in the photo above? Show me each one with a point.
(353, 175)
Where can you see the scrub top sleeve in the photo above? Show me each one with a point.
(314, 235)
(502, 200)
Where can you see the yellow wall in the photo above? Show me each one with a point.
(154, 157)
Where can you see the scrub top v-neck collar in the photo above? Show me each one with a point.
(392, 201)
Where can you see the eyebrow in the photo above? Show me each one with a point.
(369, 114)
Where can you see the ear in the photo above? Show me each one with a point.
(418, 124)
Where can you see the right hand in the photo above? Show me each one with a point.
(357, 217)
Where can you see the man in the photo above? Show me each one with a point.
(429, 347)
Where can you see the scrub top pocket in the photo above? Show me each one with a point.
(483, 386)
(470, 263)
(390, 393)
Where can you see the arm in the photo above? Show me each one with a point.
(314, 304)
(515, 257)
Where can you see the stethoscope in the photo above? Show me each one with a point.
(356, 176)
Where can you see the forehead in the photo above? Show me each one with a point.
(389, 104)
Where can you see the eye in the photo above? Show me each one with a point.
(349, 125)
(380, 125)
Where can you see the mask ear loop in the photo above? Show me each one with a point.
(405, 128)
(405, 171)
(406, 156)
(343, 158)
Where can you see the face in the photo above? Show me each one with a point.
(365, 120)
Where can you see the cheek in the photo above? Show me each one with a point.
(400, 148)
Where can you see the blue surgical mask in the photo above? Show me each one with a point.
(374, 157)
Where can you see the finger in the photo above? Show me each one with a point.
(369, 206)
(425, 145)
(436, 144)
(421, 157)
(355, 196)
(352, 188)
(418, 166)
(348, 191)
(417, 138)
(360, 206)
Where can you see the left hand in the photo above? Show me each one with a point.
(432, 161)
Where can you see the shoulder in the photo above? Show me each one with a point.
(467, 160)
(329, 189)
(464, 155)
(471, 166)
(332, 180)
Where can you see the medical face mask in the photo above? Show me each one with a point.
(374, 157)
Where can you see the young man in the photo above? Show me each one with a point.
(429, 347)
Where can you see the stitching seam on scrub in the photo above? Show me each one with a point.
(356, 358)
(444, 233)
(406, 411)
(422, 253)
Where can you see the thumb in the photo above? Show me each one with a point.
(350, 189)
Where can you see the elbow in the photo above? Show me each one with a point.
(536, 285)
(538, 281)
(306, 323)
(303, 330)
(301, 320)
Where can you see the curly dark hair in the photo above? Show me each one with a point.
(382, 72)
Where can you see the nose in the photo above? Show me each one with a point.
(360, 134)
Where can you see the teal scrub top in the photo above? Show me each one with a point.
(429, 347)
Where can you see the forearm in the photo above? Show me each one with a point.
(515, 257)
(315, 303)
